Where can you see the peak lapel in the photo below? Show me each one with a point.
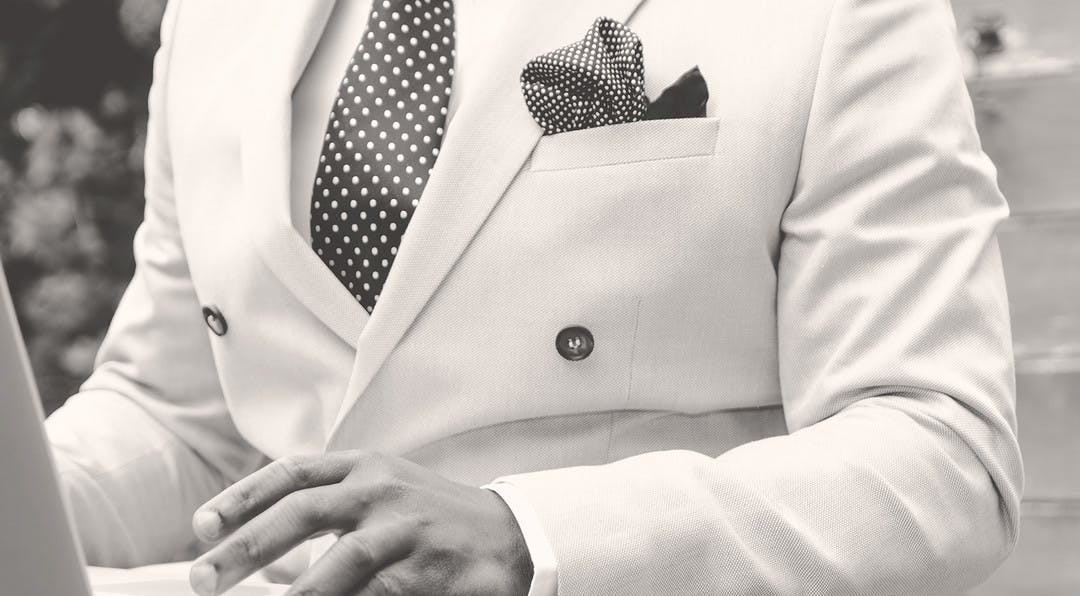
(289, 30)
(486, 143)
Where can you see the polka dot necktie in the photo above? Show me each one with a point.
(382, 140)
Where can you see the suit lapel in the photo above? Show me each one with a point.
(489, 139)
(288, 31)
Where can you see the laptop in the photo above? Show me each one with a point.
(39, 552)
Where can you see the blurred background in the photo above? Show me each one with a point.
(73, 82)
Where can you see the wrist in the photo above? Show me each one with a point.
(514, 556)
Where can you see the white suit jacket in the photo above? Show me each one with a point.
(802, 376)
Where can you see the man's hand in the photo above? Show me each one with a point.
(403, 530)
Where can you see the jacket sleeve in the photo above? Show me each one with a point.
(901, 472)
(148, 437)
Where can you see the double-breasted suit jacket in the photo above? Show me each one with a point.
(799, 377)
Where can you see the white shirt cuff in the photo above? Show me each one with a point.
(545, 579)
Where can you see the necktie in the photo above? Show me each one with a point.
(382, 140)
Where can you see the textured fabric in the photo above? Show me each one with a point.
(597, 81)
(825, 269)
(382, 141)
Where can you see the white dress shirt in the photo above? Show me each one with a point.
(312, 100)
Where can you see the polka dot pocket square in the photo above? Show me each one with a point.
(600, 81)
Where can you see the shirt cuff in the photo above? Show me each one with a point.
(545, 579)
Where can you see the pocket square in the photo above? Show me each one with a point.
(600, 80)
(597, 81)
(686, 98)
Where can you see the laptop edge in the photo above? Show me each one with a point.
(39, 552)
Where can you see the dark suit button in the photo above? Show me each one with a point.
(215, 320)
(574, 343)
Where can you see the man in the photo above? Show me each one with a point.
(512, 342)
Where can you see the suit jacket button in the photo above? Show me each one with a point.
(574, 343)
(215, 320)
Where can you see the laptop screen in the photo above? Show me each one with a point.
(39, 553)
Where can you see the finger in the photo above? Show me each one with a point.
(269, 535)
(242, 501)
(356, 558)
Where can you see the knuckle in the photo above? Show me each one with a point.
(384, 477)
(443, 555)
(296, 468)
(247, 548)
(387, 584)
(386, 487)
(242, 499)
(245, 496)
(364, 461)
(378, 473)
(360, 550)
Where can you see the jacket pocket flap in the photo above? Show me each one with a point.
(648, 140)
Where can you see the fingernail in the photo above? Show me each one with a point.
(203, 579)
(207, 524)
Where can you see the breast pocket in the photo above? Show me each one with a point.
(650, 140)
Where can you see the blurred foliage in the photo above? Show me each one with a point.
(73, 81)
